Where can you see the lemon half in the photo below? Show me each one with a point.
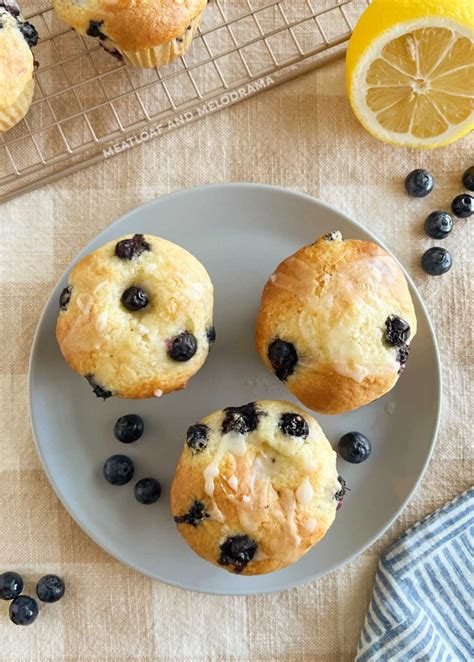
(410, 71)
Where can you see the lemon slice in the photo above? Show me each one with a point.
(410, 71)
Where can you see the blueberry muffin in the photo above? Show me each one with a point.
(256, 487)
(336, 323)
(146, 33)
(136, 317)
(17, 36)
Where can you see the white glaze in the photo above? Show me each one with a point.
(304, 492)
(101, 322)
(309, 465)
(84, 303)
(310, 525)
(233, 482)
(215, 514)
(158, 393)
(232, 442)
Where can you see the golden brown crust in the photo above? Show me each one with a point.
(132, 25)
(16, 62)
(127, 352)
(331, 300)
(257, 490)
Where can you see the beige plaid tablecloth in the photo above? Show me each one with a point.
(302, 136)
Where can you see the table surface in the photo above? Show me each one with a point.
(302, 136)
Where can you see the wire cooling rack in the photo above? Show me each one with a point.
(88, 106)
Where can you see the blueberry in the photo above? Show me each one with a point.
(438, 224)
(14, 11)
(283, 357)
(118, 470)
(129, 428)
(147, 490)
(468, 178)
(50, 588)
(11, 585)
(211, 335)
(354, 447)
(397, 331)
(94, 30)
(134, 298)
(195, 515)
(436, 261)
(29, 33)
(419, 183)
(339, 495)
(65, 298)
(23, 610)
(237, 551)
(183, 347)
(127, 249)
(402, 356)
(242, 419)
(197, 437)
(293, 425)
(463, 205)
(98, 390)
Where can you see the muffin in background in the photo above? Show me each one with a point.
(336, 323)
(145, 33)
(256, 487)
(136, 317)
(17, 37)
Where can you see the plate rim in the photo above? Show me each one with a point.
(246, 591)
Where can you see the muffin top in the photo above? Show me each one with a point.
(132, 25)
(136, 317)
(337, 308)
(16, 58)
(256, 486)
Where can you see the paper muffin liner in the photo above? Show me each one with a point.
(160, 55)
(12, 114)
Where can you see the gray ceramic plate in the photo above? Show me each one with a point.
(240, 232)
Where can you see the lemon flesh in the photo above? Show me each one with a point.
(413, 83)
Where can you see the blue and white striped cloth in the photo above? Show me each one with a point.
(422, 606)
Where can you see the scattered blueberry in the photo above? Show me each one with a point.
(436, 261)
(419, 183)
(11, 585)
(118, 470)
(94, 30)
(183, 347)
(397, 331)
(98, 390)
(29, 33)
(195, 515)
(129, 428)
(438, 224)
(65, 298)
(147, 490)
(211, 335)
(50, 588)
(23, 610)
(242, 419)
(283, 357)
(468, 178)
(463, 205)
(197, 437)
(237, 551)
(134, 298)
(293, 425)
(339, 495)
(354, 447)
(127, 249)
